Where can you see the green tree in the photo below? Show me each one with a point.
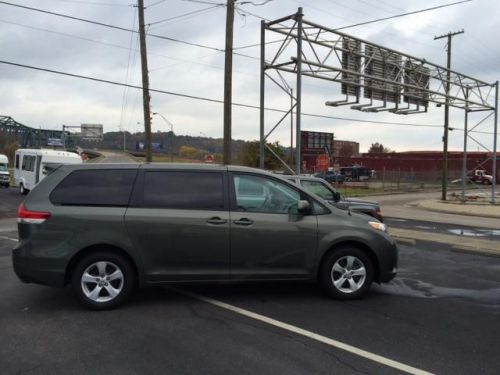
(8, 146)
(188, 152)
(249, 155)
(378, 148)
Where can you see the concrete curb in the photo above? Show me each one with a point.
(458, 243)
(455, 209)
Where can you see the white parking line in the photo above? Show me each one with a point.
(9, 238)
(311, 335)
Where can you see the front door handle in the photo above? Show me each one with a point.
(216, 220)
(243, 221)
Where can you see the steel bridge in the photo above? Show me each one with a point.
(29, 137)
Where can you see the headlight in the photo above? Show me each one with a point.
(378, 226)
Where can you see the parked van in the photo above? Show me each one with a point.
(105, 228)
(4, 171)
(32, 165)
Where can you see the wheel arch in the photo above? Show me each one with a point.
(96, 248)
(359, 245)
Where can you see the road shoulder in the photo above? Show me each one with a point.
(474, 245)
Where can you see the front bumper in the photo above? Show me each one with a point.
(388, 276)
(388, 261)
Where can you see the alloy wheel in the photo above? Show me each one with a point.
(348, 274)
(102, 281)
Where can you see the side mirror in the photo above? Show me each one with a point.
(304, 207)
(336, 196)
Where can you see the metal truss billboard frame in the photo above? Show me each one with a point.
(382, 73)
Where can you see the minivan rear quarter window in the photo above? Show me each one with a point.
(184, 190)
(99, 187)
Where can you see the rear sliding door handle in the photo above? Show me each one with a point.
(216, 221)
(243, 221)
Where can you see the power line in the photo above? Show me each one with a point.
(194, 12)
(484, 49)
(203, 2)
(264, 2)
(155, 3)
(187, 17)
(356, 24)
(129, 59)
(243, 105)
(403, 14)
(110, 26)
(197, 62)
(95, 3)
(125, 29)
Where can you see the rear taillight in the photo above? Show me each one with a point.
(31, 217)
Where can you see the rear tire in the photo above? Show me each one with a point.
(22, 189)
(346, 273)
(103, 280)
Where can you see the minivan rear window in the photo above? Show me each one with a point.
(184, 190)
(99, 187)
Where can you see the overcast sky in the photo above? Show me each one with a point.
(45, 100)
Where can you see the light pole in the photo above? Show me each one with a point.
(124, 140)
(172, 135)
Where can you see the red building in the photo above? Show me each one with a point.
(425, 165)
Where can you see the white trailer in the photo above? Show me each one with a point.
(32, 165)
(4, 171)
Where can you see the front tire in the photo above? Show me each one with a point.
(346, 273)
(103, 280)
(22, 189)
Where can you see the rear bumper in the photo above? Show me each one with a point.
(37, 270)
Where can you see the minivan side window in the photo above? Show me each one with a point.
(17, 161)
(184, 190)
(99, 187)
(266, 195)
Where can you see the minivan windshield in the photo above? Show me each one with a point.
(318, 188)
(3, 167)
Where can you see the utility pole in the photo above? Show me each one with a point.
(298, 94)
(446, 112)
(145, 80)
(228, 71)
(291, 127)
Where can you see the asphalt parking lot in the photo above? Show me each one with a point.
(440, 315)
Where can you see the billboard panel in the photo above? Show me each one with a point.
(385, 64)
(351, 60)
(91, 131)
(56, 142)
(416, 75)
(156, 146)
(316, 142)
